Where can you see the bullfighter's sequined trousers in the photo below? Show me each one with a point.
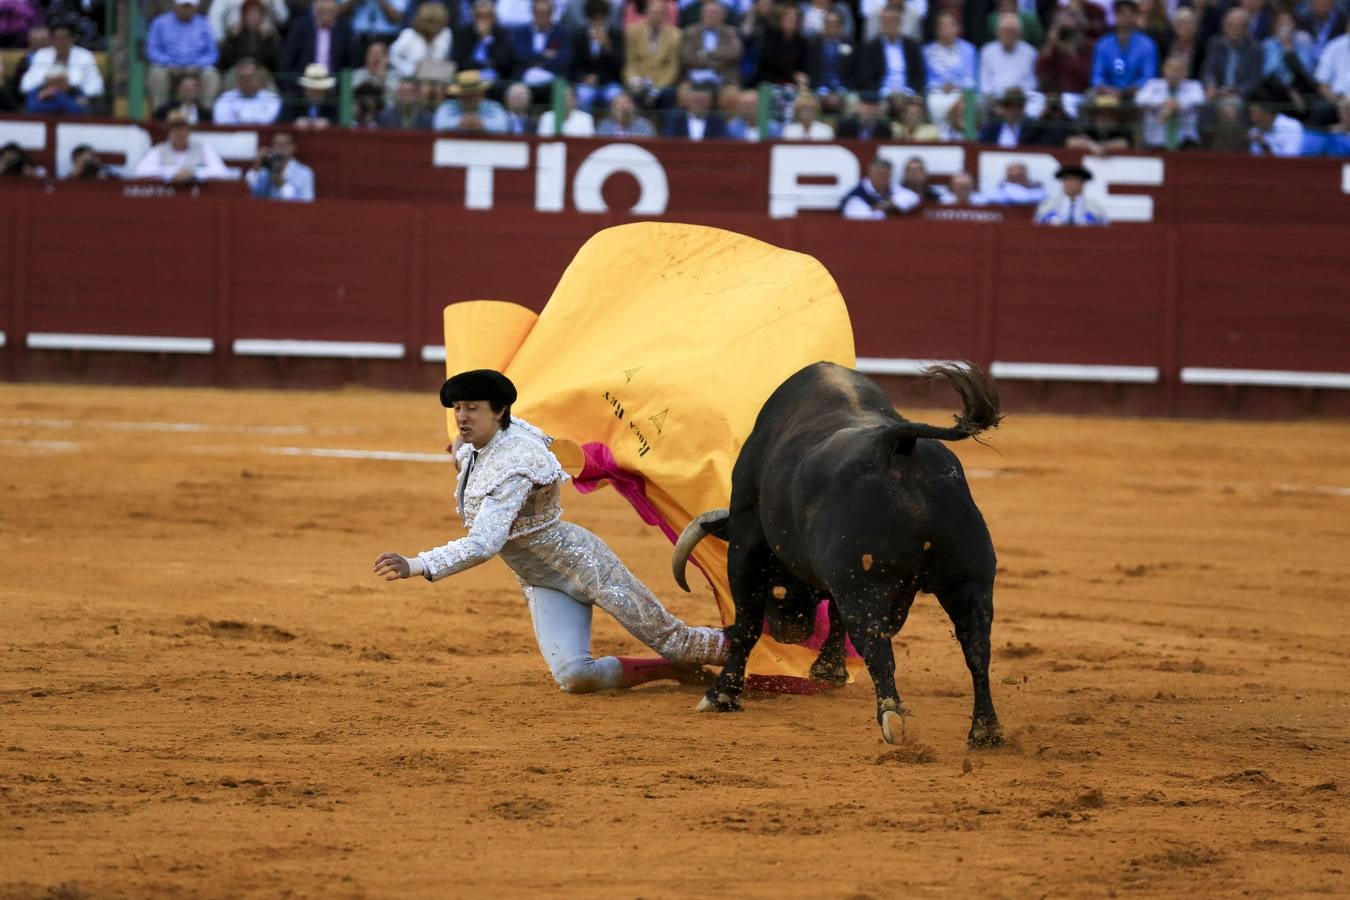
(570, 560)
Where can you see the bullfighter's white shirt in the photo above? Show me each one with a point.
(508, 499)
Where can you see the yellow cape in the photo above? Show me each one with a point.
(661, 342)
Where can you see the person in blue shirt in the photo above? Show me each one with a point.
(468, 109)
(1125, 58)
(277, 175)
(55, 97)
(1335, 141)
(177, 42)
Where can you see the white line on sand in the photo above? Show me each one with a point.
(185, 427)
(1327, 490)
(339, 453)
(39, 445)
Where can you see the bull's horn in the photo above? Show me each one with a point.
(694, 532)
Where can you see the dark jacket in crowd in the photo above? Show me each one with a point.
(818, 59)
(677, 125)
(606, 65)
(781, 57)
(300, 47)
(556, 56)
(1030, 134)
(298, 108)
(264, 47)
(1251, 62)
(853, 127)
(872, 66)
(495, 55)
(162, 113)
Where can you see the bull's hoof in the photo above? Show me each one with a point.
(897, 727)
(715, 702)
(831, 672)
(985, 734)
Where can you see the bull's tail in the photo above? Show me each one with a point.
(712, 522)
(979, 405)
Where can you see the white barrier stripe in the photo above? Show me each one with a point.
(118, 343)
(873, 365)
(1073, 372)
(433, 353)
(339, 453)
(325, 349)
(2, 339)
(1265, 378)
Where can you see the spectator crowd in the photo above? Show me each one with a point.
(1259, 76)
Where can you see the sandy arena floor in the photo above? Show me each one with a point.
(204, 691)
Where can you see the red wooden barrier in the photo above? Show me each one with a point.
(226, 268)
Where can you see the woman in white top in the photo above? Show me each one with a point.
(806, 124)
(575, 123)
(428, 38)
(508, 498)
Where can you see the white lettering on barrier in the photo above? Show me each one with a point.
(479, 159)
(550, 177)
(28, 135)
(789, 164)
(1137, 170)
(131, 141)
(1345, 179)
(233, 146)
(642, 164)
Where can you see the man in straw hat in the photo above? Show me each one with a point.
(181, 160)
(316, 108)
(1068, 206)
(468, 109)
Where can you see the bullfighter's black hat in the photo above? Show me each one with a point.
(479, 384)
(1132, 4)
(1074, 172)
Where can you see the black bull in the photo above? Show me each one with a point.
(835, 493)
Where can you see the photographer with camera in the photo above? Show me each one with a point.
(86, 166)
(277, 175)
(1064, 65)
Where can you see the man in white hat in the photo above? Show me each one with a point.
(181, 160)
(178, 42)
(316, 108)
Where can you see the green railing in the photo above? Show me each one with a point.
(135, 61)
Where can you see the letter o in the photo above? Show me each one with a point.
(588, 185)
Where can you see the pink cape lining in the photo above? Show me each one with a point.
(600, 466)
